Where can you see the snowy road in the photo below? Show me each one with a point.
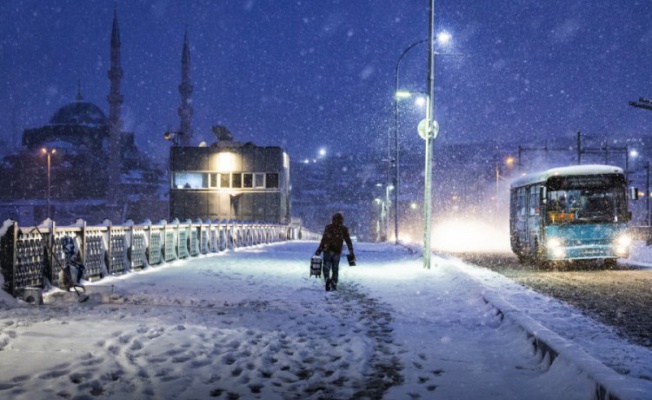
(621, 298)
(253, 324)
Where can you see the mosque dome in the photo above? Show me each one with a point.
(79, 113)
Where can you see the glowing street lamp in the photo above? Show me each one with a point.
(48, 153)
(443, 38)
(509, 161)
(428, 128)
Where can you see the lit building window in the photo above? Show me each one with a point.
(225, 181)
(190, 180)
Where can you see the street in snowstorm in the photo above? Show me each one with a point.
(252, 323)
(620, 297)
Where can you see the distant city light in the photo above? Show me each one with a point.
(633, 153)
(403, 94)
(322, 152)
(420, 101)
(509, 161)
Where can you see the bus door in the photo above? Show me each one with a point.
(519, 219)
(533, 217)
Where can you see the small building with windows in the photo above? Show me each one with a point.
(230, 180)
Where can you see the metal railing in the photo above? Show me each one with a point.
(33, 256)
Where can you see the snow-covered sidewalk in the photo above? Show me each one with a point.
(253, 324)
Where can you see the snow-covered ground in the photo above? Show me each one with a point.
(251, 323)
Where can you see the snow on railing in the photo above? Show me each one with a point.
(32, 257)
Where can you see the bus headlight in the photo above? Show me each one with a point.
(624, 240)
(554, 243)
(556, 247)
(621, 245)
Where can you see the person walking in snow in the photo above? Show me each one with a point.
(332, 241)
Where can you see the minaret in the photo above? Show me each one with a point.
(115, 122)
(185, 89)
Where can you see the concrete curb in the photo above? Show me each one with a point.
(608, 383)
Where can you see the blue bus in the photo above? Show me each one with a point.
(570, 213)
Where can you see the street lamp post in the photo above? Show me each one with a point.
(382, 215)
(396, 129)
(48, 154)
(428, 130)
(388, 203)
(431, 132)
(384, 218)
(647, 193)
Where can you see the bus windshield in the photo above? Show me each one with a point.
(586, 199)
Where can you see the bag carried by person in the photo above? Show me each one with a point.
(315, 266)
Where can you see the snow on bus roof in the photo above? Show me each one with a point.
(573, 170)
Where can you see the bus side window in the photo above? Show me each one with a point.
(534, 200)
(521, 202)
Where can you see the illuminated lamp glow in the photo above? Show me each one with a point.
(225, 162)
(444, 37)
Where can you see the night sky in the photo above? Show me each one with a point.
(320, 73)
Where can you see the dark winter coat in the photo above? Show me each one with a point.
(334, 237)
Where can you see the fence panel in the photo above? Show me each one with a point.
(137, 249)
(29, 256)
(182, 234)
(155, 255)
(117, 251)
(170, 253)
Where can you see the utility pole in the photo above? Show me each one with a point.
(647, 193)
(430, 121)
(579, 148)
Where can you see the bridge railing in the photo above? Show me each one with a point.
(32, 257)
